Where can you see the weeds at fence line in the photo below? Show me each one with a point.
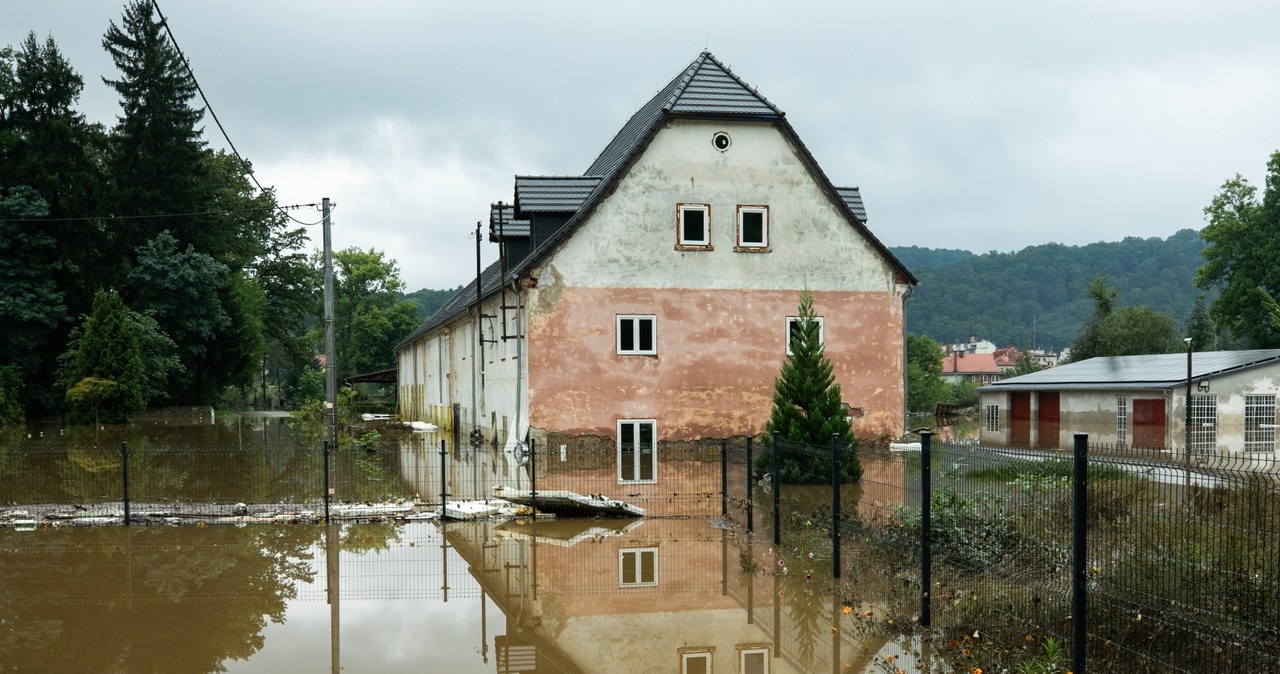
(1176, 581)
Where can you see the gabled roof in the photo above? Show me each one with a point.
(553, 194)
(1156, 371)
(706, 89)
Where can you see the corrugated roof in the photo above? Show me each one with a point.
(853, 199)
(553, 194)
(1156, 371)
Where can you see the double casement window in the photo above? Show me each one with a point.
(637, 335)
(637, 451)
(753, 228)
(638, 567)
(794, 324)
(693, 226)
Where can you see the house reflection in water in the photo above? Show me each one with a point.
(650, 595)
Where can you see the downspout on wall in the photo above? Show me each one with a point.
(906, 391)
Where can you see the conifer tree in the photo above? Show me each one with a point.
(158, 161)
(808, 411)
(107, 351)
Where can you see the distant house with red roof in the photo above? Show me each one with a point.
(981, 368)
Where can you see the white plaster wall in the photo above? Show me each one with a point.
(628, 241)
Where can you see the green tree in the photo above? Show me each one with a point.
(1026, 364)
(107, 351)
(371, 316)
(10, 396)
(158, 158)
(925, 387)
(1200, 327)
(1243, 237)
(1124, 331)
(184, 291)
(808, 411)
(31, 306)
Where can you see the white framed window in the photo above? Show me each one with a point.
(637, 335)
(638, 567)
(693, 226)
(1204, 423)
(637, 451)
(1122, 420)
(753, 228)
(993, 418)
(793, 331)
(753, 660)
(1260, 423)
(695, 661)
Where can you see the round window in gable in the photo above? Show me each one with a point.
(721, 141)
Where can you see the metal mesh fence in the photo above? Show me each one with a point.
(1181, 573)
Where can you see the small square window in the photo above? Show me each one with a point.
(753, 228)
(638, 567)
(693, 226)
(695, 661)
(753, 659)
(637, 335)
(793, 331)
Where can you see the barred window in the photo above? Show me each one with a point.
(1260, 423)
(993, 418)
(1204, 423)
(1122, 420)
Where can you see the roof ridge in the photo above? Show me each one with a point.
(689, 72)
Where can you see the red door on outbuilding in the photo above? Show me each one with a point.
(1148, 423)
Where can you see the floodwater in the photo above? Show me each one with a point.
(569, 596)
(659, 594)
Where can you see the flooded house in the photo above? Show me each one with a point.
(650, 299)
(1141, 402)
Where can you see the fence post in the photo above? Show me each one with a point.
(124, 478)
(835, 505)
(444, 489)
(1079, 552)
(750, 498)
(328, 491)
(724, 478)
(533, 477)
(774, 486)
(926, 525)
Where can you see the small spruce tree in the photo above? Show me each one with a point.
(104, 373)
(808, 411)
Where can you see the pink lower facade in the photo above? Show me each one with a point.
(718, 354)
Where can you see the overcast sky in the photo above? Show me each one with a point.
(984, 126)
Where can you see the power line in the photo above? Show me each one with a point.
(190, 73)
(107, 218)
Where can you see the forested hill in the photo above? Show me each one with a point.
(1036, 296)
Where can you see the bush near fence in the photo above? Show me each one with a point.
(1174, 583)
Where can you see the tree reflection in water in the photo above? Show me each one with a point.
(146, 599)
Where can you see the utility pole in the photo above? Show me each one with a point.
(330, 350)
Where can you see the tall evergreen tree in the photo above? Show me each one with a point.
(47, 147)
(808, 411)
(157, 157)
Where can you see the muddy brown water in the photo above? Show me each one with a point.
(676, 594)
